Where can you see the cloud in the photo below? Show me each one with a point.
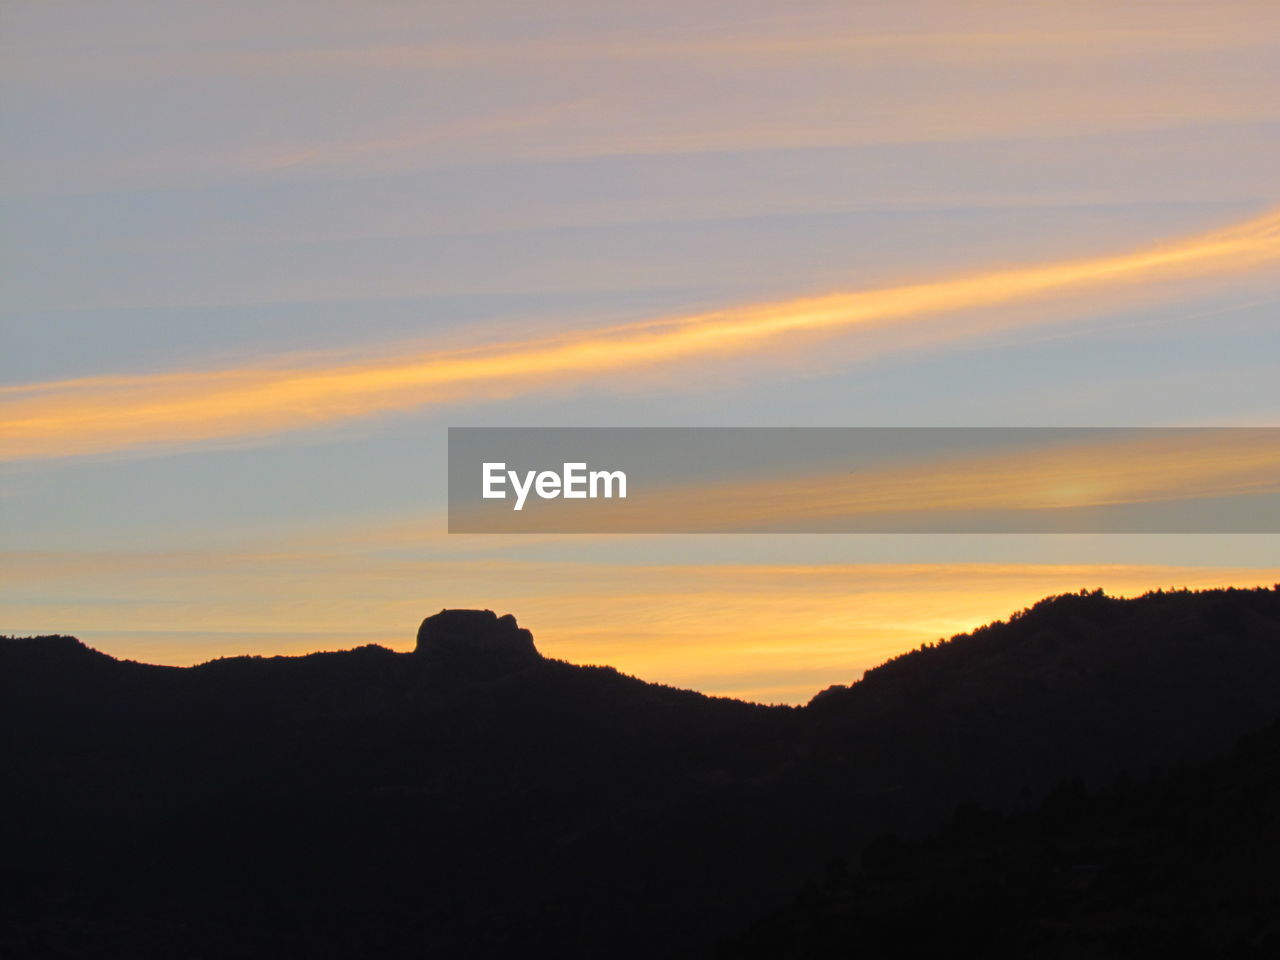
(421, 91)
(107, 414)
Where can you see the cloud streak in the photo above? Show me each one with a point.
(117, 413)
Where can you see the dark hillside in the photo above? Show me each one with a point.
(473, 798)
(1180, 864)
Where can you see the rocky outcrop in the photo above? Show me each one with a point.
(478, 641)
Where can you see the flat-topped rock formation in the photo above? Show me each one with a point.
(476, 640)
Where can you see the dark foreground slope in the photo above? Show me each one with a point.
(1180, 864)
(475, 799)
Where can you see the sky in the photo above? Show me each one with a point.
(257, 258)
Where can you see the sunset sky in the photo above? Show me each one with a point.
(258, 257)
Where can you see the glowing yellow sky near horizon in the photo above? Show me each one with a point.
(772, 632)
(112, 413)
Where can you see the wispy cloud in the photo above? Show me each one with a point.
(551, 87)
(107, 414)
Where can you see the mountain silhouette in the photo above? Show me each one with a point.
(476, 799)
(1180, 864)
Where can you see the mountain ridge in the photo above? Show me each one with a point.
(418, 800)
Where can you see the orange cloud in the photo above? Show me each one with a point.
(105, 414)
